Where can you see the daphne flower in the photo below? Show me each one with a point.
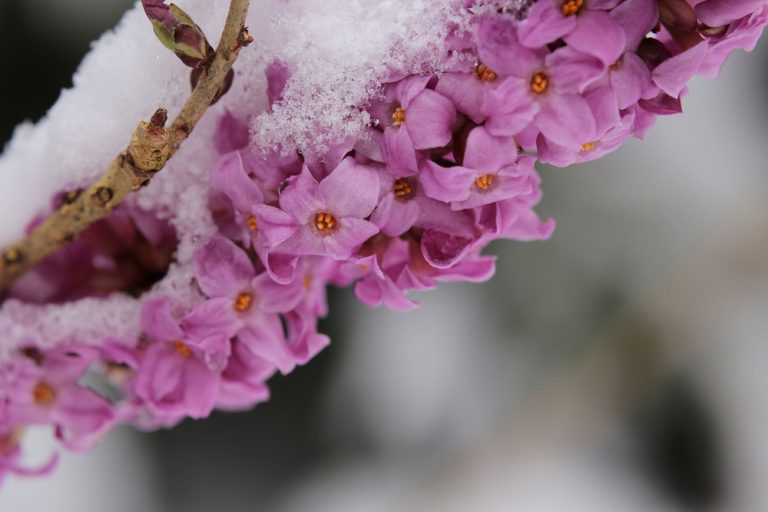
(243, 303)
(584, 25)
(413, 118)
(256, 224)
(178, 373)
(45, 390)
(542, 88)
(490, 172)
(330, 214)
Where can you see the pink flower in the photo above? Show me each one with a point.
(178, 373)
(413, 118)
(584, 25)
(490, 172)
(45, 390)
(256, 224)
(330, 214)
(244, 304)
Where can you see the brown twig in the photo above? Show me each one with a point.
(150, 147)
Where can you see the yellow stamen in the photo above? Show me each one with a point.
(252, 224)
(398, 116)
(485, 74)
(307, 281)
(572, 7)
(539, 83)
(484, 182)
(589, 146)
(43, 394)
(325, 222)
(402, 188)
(182, 349)
(243, 302)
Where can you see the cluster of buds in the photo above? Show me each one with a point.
(446, 167)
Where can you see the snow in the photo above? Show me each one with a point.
(338, 51)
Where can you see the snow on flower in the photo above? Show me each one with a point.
(388, 169)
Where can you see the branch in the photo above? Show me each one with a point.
(150, 148)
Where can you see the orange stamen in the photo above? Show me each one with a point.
(325, 222)
(243, 302)
(484, 182)
(43, 394)
(402, 188)
(485, 74)
(398, 116)
(572, 7)
(539, 83)
(182, 349)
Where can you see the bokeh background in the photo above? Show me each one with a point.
(620, 366)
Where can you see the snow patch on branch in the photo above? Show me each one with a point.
(338, 53)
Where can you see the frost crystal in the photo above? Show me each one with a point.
(339, 52)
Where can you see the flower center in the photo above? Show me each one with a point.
(485, 74)
(252, 224)
(589, 146)
(572, 7)
(484, 182)
(398, 116)
(43, 394)
(539, 83)
(402, 189)
(306, 282)
(243, 302)
(182, 349)
(325, 222)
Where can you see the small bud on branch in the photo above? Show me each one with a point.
(150, 147)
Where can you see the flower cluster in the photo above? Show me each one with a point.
(446, 167)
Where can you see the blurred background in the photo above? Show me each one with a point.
(620, 366)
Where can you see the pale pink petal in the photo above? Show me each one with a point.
(351, 189)
(429, 119)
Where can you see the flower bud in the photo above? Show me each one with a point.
(178, 32)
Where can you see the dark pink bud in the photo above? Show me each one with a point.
(178, 32)
(653, 52)
(663, 105)
(678, 14)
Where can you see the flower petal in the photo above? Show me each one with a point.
(301, 198)
(351, 234)
(598, 35)
(222, 269)
(566, 120)
(158, 322)
(430, 118)
(399, 153)
(486, 153)
(351, 190)
(230, 178)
